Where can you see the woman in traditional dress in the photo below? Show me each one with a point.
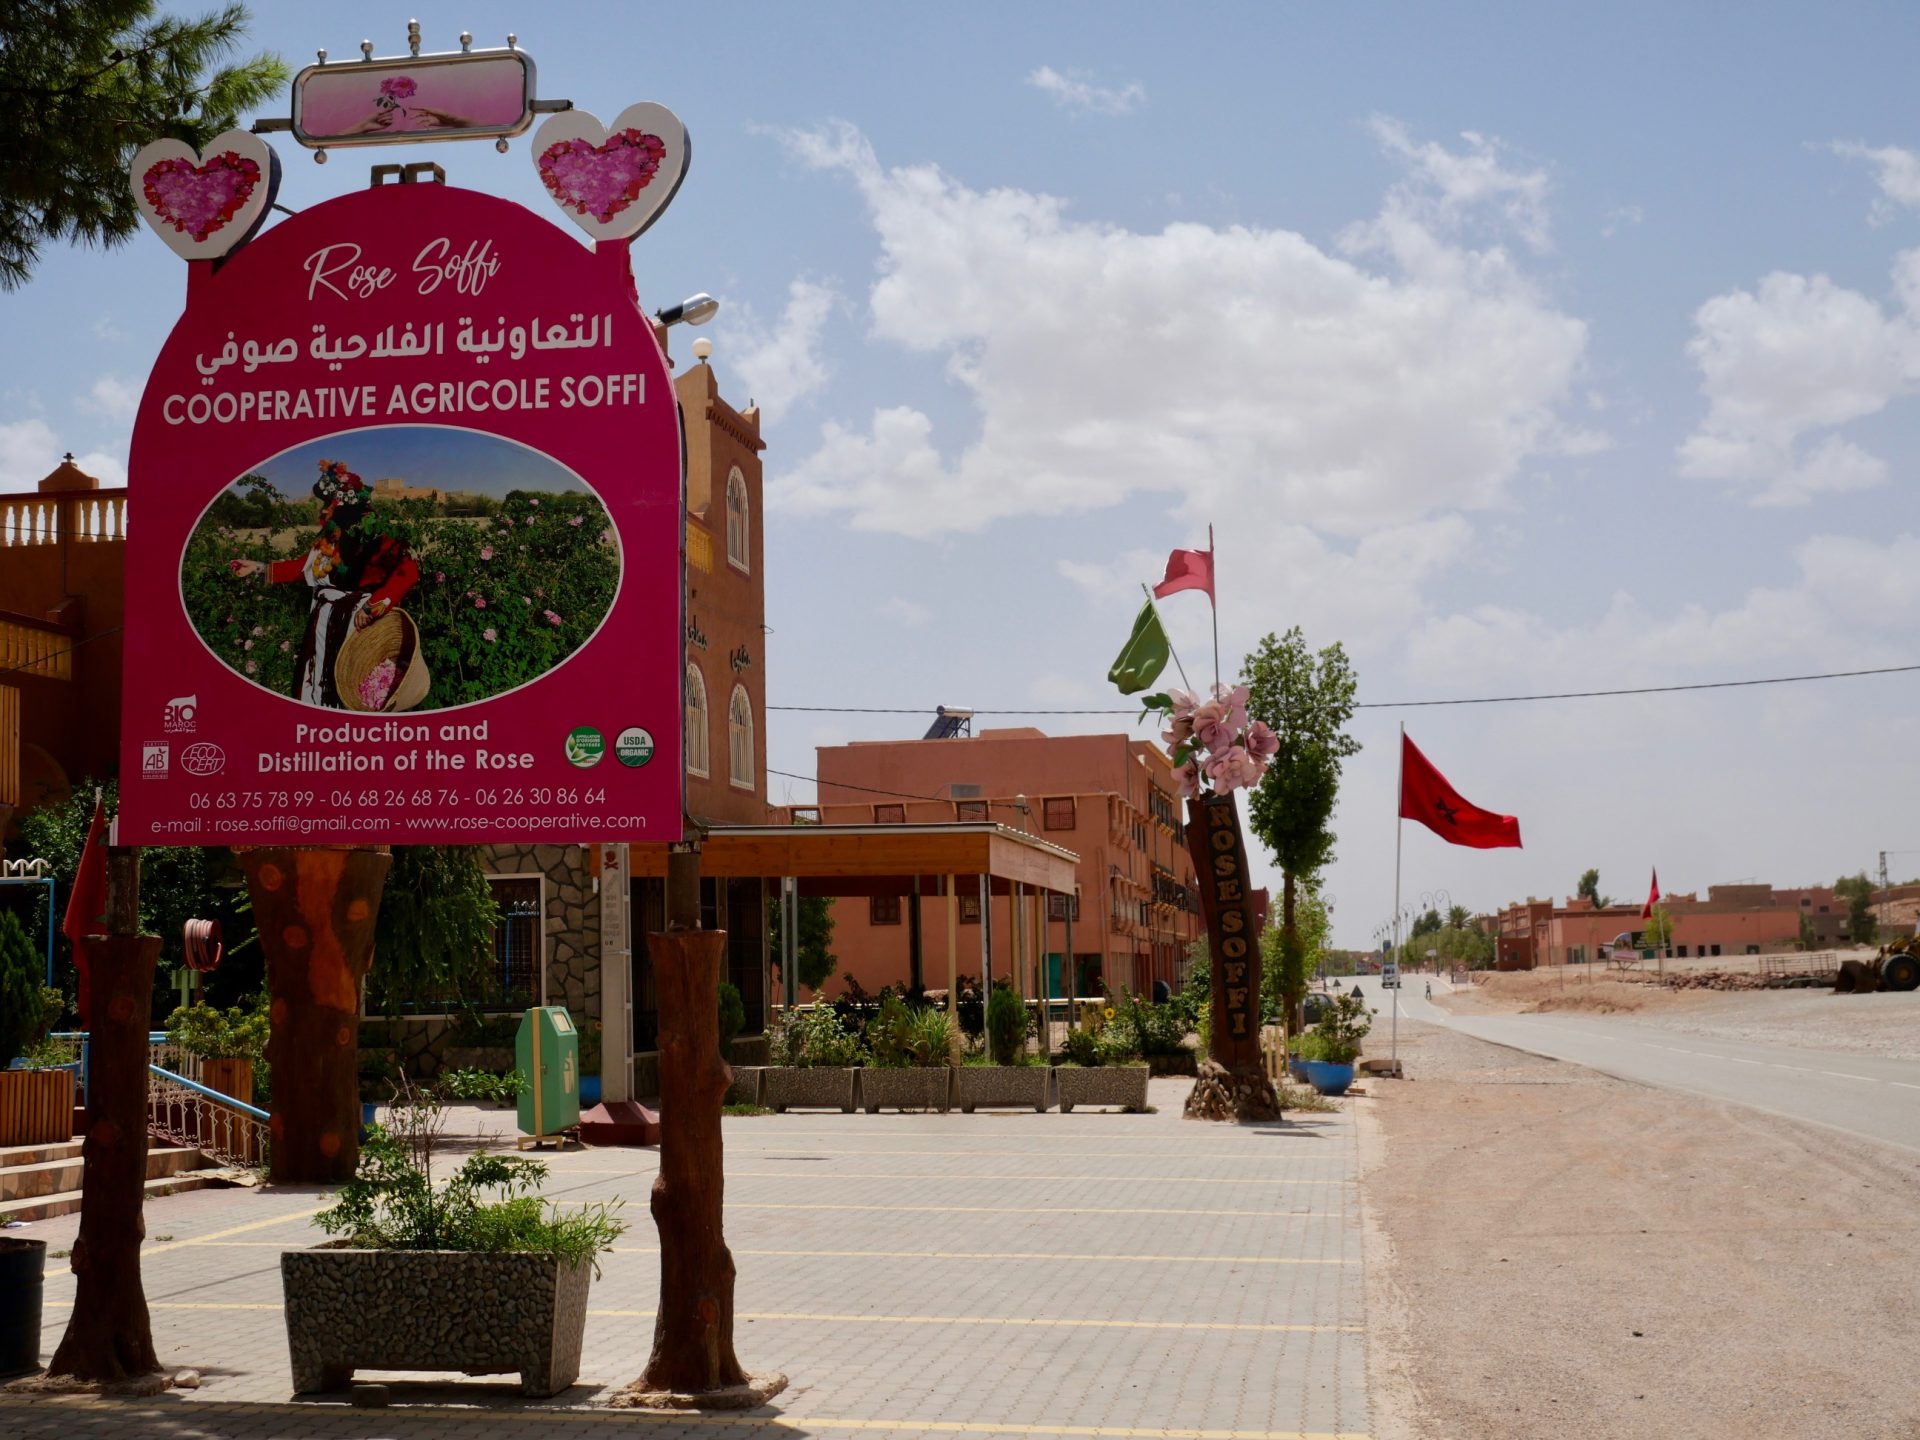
(355, 579)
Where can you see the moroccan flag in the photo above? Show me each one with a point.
(1145, 655)
(1653, 898)
(1187, 570)
(1426, 796)
(87, 905)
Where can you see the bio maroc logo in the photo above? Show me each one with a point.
(178, 717)
(585, 746)
(205, 758)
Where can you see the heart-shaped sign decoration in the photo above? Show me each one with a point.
(206, 207)
(613, 182)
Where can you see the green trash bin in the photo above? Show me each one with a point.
(547, 1052)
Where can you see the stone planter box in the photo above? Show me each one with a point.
(745, 1089)
(815, 1087)
(1121, 1085)
(1022, 1085)
(484, 1314)
(36, 1106)
(909, 1088)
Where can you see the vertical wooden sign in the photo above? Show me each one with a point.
(1220, 858)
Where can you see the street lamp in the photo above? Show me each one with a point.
(694, 310)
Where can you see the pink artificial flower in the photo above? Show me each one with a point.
(479, 602)
(489, 635)
(1189, 777)
(486, 552)
(1234, 768)
(552, 619)
(1262, 741)
(401, 87)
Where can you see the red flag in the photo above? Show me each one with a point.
(1426, 796)
(87, 905)
(1653, 898)
(1187, 570)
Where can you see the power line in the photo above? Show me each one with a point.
(1394, 704)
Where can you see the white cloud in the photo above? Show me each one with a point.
(1787, 363)
(112, 397)
(1897, 173)
(1234, 368)
(903, 611)
(1620, 217)
(781, 364)
(29, 452)
(1445, 187)
(1076, 91)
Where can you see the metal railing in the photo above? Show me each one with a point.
(188, 1113)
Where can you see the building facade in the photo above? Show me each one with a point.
(1110, 799)
(1731, 920)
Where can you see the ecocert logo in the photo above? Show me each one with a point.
(204, 758)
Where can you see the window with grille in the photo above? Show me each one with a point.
(969, 909)
(696, 737)
(740, 739)
(1056, 812)
(970, 809)
(1063, 907)
(883, 910)
(889, 814)
(737, 548)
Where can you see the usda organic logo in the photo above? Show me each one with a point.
(633, 746)
(585, 746)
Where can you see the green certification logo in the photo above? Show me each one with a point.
(633, 746)
(585, 746)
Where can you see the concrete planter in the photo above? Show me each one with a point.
(745, 1089)
(912, 1088)
(484, 1314)
(1182, 1062)
(1022, 1085)
(814, 1087)
(1121, 1085)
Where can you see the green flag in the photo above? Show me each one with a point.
(1145, 655)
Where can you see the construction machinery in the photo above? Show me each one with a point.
(1896, 967)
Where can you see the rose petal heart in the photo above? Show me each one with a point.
(198, 200)
(601, 180)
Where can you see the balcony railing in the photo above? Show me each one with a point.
(82, 516)
(29, 646)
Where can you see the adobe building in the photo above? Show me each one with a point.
(1732, 920)
(1111, 800)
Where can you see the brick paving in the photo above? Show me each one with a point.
(994, 1274)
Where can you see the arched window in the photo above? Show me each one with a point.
(696, 743)
(737, 550)
(740, 739)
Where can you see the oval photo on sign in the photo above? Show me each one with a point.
(407, 567)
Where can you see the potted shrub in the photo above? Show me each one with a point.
(36, 1078)
(231, 1045)
(1159, 1032)
(745, 1089)
(814, 1056)
(1336, 1041)
(431, 1276)
(1006, 1074)
(913, 1048)
(1102, 1068)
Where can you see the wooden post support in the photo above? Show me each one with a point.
(1232, 1083)
(315, 910)
(109, 1332)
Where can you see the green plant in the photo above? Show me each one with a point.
(817, 960)
(20, 1002)
(393, 1203)
(813, 1037)
(733, 1015)
(434, 935)
(50, 1054)
(1082, 1047)
(1006, 1025)
(1340, 1031)
(1149, 1029)
(214, 1034)
(483, 1085)
(912, 1035)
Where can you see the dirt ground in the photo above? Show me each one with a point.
(1804, 1019)
(1554, 1253)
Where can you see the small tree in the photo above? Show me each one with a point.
(20, 1005)
(436, 925)
(817, 960)
(1862, 924)
(1659, 928)
(1590, 889)
(1006, 1025)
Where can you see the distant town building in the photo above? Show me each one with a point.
(389, 488)
(1731, 920)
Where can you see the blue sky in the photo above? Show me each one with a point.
(436, 456)
(1518, 348)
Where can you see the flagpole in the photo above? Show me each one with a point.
(1148, 591)
(1213, 604)
(1399, 790)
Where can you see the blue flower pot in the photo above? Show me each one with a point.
(368, 1110)
(589, 1091)
(1297, 1068)
(1326, 1078)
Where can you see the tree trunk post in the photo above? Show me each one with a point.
(109, 1335)
(693, 1329)
(315, 910)
(1232, 1083)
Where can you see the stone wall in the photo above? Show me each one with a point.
(572, 920)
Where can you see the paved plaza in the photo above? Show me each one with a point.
(1093, 1274)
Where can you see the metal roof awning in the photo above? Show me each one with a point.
(851, 860)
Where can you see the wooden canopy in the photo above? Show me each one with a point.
(851, 860)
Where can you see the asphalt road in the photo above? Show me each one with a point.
(1862, 1095)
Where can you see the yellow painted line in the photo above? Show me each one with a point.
(798, 1425)
(246, 1229)
(968, 1178)
(1027, 1321)
(938, 1255)
(1017, 1210)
